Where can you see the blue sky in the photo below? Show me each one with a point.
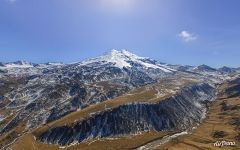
(190, 32)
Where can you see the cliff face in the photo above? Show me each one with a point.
(181, 111)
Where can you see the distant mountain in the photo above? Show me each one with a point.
(1, 64)
(113, 64)
(18, 64)
(204, 68)
(227, 70)
(121, 59)
(181, 67)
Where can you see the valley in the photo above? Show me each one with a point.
(117, 101)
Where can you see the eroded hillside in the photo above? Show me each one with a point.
(114, 101)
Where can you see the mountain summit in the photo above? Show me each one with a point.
(125, 59)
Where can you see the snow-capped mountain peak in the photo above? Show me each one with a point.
(124, 58)
(17, 64)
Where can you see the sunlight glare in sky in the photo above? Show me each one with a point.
(119, 6)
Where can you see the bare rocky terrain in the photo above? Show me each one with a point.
(111, 99)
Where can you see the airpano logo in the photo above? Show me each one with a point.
(224, 143)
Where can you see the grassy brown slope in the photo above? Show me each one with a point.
(123, 143)
(150, 93)
(219, 125)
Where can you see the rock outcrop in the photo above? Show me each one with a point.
(182, 111)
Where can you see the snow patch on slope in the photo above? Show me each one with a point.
(18, 64)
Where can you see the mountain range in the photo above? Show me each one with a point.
(117, 94)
